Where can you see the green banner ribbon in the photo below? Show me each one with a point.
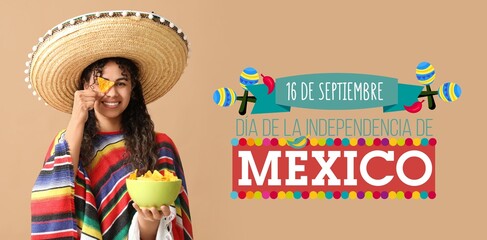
(334, 91)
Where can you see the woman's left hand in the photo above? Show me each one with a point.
(149, 219)
(152, 214)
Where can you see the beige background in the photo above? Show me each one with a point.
(280, 38)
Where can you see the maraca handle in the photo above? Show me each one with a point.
(243, 105)
(431, 100)
(251, 99)
(426, 93)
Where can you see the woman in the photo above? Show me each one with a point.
(80, 192)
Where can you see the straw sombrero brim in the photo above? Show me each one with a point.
(155, 45)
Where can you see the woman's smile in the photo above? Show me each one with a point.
(110, 104)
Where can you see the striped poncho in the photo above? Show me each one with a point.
(96, 205)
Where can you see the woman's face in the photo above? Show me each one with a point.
(116, 100)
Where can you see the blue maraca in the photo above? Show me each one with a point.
(249, 76)
(449, 91)
(425, 73)
(224, 97)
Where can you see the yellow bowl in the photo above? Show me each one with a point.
(148, 193)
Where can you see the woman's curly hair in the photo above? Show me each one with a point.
(137, 126)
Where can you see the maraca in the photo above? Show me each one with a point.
(425, 73)
(225, 97)
(448, 92)
(249, 76)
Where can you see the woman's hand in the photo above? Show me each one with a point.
(152, 214)
(84, 101)
(149, 219)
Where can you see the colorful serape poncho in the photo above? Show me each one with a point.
(96, 205)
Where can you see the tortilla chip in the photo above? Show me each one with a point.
(157, 176)
(104, 84)
(154, 176)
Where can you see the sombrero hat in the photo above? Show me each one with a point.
(157, 46)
